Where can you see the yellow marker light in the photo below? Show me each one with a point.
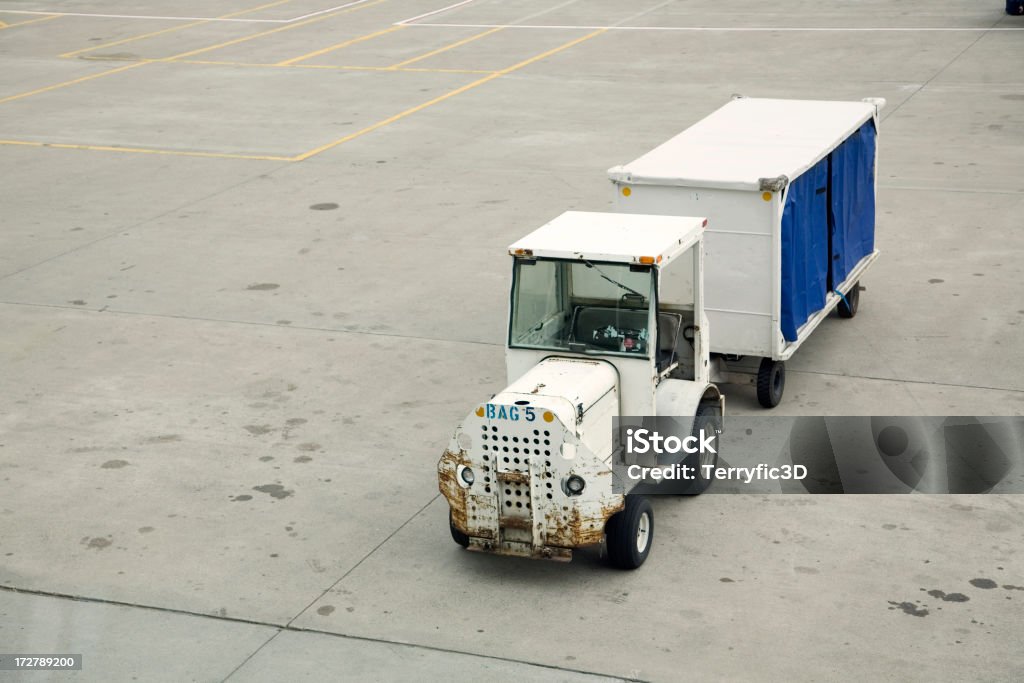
(480, 411)
(767, 196)
(647, 260)
(548, 416)
(626, 192)
(523, 252)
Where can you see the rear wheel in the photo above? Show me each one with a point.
(457, 536)
(630, 533)
(709, 420)
(848, 305)
(771, 382)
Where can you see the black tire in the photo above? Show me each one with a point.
(853, 299)
(457, 536)
(708, 418)
(627, 547)
(771, 382)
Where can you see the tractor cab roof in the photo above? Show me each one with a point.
(612, 237)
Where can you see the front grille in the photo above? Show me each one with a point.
(513, 450)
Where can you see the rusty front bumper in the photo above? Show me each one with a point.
(520, 549)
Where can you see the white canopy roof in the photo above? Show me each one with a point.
(749, 139)
(612, 237)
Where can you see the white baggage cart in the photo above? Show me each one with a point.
(788, 187)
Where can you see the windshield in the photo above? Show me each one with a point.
(582, 306)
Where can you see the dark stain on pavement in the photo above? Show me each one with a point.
(273, 490)
(909, 608)
(983, 583)
(114, 464)
(948, 597)
(325, 610)
(258, 430)
(262, 286)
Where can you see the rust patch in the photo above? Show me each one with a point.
(516, 523)
(514, 477)
(574, 529)
(449, 486)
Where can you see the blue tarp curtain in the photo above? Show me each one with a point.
(853, 201)
(804, 248)
(834, 196)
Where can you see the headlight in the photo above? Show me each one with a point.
(574, 485)
(467, 476)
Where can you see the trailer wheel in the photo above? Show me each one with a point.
(708, 418)
(630, 533)
(771, 382)
(853, 298)
(457, 536)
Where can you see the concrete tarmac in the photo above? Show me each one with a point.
(253, 271)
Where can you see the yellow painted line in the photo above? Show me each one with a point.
(287, 27)
(30, 21)
(353, 41)
(448, 95)
(83, 79)
(211, 62)
(135, 65)
(439, 50)
(336, 67)
(143, 150)
(391, 68)
(172, 29)
(299, 157)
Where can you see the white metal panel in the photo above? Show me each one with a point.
(612, 237)
(635, 375)
(679, 398)
(580, 380)
(675, 286)
(740, 245)
(596, 429)
(749, 139)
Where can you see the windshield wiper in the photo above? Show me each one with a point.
(614, 282)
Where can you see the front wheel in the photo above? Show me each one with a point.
(630, 533)
(457, 536)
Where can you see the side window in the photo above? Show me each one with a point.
(537, 305)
